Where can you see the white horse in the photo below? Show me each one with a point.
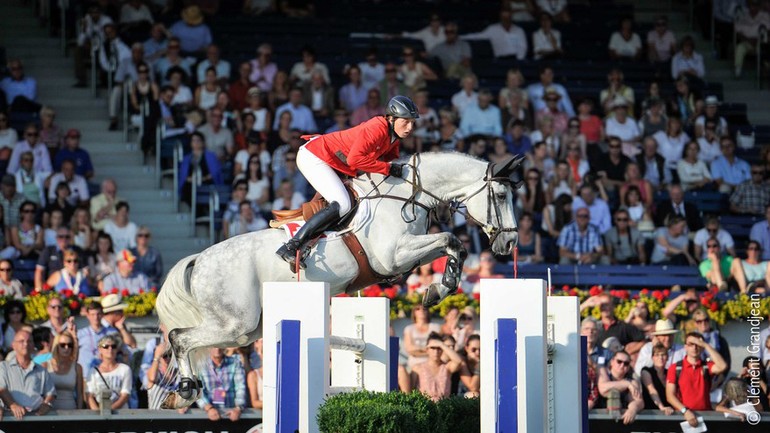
(214, 299)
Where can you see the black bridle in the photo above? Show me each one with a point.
(492, 231)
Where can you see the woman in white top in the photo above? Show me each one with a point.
(27, 237)
(206, 93)
(262, 117)
(416, 335)
(259, 186)
(414, 73)
(83, 232)
(546, 134)
(10, 286)
(55, 221)
(710, 147)
(514, 80)
(425, 126)
(693, 173)
(103, 262)
(562, 183)
(467, 95)
(182, 93)
(687, 62)
(671, 142)
(111, 375)
(637, 211)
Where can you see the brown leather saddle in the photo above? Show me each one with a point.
(366, 275)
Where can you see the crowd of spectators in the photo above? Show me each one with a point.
(607, 180)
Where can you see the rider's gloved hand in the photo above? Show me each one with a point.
(396, 169)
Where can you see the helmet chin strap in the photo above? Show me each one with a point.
(392, 130)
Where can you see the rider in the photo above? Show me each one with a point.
(366, 148)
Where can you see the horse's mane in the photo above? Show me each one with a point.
(431, 155)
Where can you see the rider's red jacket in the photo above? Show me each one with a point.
(364, 148)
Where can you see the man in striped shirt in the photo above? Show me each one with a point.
(580, 241)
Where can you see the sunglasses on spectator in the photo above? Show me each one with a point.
(625, 363)
(621, 220)
(712, 246)
(143, 235)
(66, 345)
(702, 321)
(712, 230)
(5, 269)
(108, 346)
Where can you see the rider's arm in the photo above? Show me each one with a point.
(363, 151)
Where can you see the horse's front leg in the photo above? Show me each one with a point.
(420, 249)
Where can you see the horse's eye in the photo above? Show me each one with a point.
(501, 196)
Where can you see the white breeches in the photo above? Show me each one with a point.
(323, 178)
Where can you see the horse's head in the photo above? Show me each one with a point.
(491, 206)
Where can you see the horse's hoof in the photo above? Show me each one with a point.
(187, 387)
(431, 296)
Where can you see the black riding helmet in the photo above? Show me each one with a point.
(403, 107)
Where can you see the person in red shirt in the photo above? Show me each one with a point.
(688, 382)
(366, 148)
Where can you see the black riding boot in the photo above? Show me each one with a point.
(312, 228)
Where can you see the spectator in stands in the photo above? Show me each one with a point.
(318, 95)
(353, 94)
(90, 32)
(624, 127)
(653, 119)
(536, 92)
(433, 377)
(693, 173)
(688, 382)
(302, 116)
(57, 322)
(653, 379)
(517, 142)
(531, 198)
(551, 141)
(79, 194)
(556, 9)
(114, 317)
(539, 159)
(749, 273)
(391, 85)
(661, 42)
(302, 71)
(27, 236)
(467, 95)
(120, 228)
(685, 104)
(135, 19)
(263, 69)
(712, 230)
(747, 28)
(580, 242)
(247, 221)
(218, 138)
(507, 39)
(652, 165)
(232, 211)
(71, 277)
(30, 183)
(156, 45)
(728, 170)
(639, 316)
(256, 106)
(238, 89)
(454, 54)
(172, 58)
(183, 96)
(72, 151)
(426, 126)
(288, 170)
(577, 165)
(677, 206)
(760, 232)
(687, 62)
(596, 353)
(10, 286)
(431, 35)
(30, 143)
(514, 79)
(414, 73)
(618, 377)
(530, 245)
(639, 213)
(481, 118)
(60, 203)
(633, 178)
(65, 372)
(671, 143)
(89, 336)
(194, 35)
(751, 196)
(736, 393)
(559, 119)
(213, 60)
(287, 197)
(625, 334)
(663, 335)
(8, 138)
(148, 258)
(611, 167)
(563, 182)
(103, 204)
(615, 88)
(671, 244)
(103, 261)
(600, 212)
(710, 114)
(625, 44)
(546, 41)
(113, 52)
(709, 143)
(125, 277)
(20, 90)
(50, 133)
(370, 109)
(625, 245)
(450, 138)
(125, 71)
(110, 375)
(224, 386)
(199, 159)
(416, 335)
(55, 220)
(206, 93)
(715, 268)
(25, 387)
(341, 122)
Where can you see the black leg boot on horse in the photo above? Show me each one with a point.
(323, 220)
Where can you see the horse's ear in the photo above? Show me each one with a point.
(507, 167)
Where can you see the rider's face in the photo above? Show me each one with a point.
(403, 127)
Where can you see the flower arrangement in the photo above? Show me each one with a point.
(720, 307)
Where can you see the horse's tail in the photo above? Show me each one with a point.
(175, 305)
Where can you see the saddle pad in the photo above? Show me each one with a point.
(363, 215)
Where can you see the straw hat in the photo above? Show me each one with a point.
(192, 15)
(112, 303)
(664, 327)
